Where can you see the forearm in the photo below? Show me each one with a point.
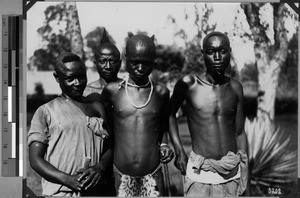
(48, 171)
(106, 159)
(242, 142)
(174, 135)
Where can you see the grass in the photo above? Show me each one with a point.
(288, 123)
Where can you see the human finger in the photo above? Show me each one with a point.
(93, 182)
(82, 176)
(87, 181)
(183, 168)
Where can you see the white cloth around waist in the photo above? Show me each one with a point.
(208, 177)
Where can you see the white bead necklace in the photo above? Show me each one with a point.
(149, 97)
(138, 86)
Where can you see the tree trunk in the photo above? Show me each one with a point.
(74, 29)
(269, 57)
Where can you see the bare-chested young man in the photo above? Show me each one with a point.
(66, 132)
(139, 107)
(217, 165)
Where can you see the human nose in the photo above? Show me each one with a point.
(76, 81)
(140, 67)
(108, 65)
(217, 55)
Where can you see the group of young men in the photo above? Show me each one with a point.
(108, 138)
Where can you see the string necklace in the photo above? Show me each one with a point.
(131, 101)
(207, 83)
(138, 86)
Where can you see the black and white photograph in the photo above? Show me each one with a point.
(171, 99)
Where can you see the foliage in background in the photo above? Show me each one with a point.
(272, 161)
(54, 36)
(288, 78)
(270, 49)
(59, 33)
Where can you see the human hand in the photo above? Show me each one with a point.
(71, 182)
(181, 160)
(90, 176)
(167, 153)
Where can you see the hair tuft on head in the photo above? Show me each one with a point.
(104, 38)
(130, 34)
(152, 37)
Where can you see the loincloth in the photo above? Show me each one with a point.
(209, 171)
(137, 186)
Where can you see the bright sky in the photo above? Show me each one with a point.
(119, 18)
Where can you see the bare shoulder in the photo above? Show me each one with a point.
(97, 105)
(237, 86)
(161, 89)
(113, 86)
(187, 79)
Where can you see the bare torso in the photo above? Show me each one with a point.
(137, 132)
(211, 114)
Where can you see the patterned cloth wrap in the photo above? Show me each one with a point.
(96, 125)
(225, 166)
(143, 186)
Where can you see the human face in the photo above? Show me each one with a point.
(108, 63)
(139, 64)
(216, 51)
(72, 79)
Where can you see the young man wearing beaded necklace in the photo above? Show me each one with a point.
(217, 165)
(140, 109)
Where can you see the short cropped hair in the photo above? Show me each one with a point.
(66, 57)
(215, 33)
(142, 41)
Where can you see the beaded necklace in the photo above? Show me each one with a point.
(149, 97)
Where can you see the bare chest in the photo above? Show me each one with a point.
(138, 104)
(220, 100)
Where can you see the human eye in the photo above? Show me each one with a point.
(113, 61)
(223, 51)
(133, 62)
(102, 61)
(209, 52)
(147, 63)
(68, 80)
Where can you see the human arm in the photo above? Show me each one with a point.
(176, 100)
(167, 153)
(90, 176)
(242, 142)
(46, 170)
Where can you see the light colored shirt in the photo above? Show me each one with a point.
(70, 137)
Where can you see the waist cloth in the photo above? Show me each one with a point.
(209, 171)
(137, 186)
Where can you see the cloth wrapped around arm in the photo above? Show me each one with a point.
(96, 125)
